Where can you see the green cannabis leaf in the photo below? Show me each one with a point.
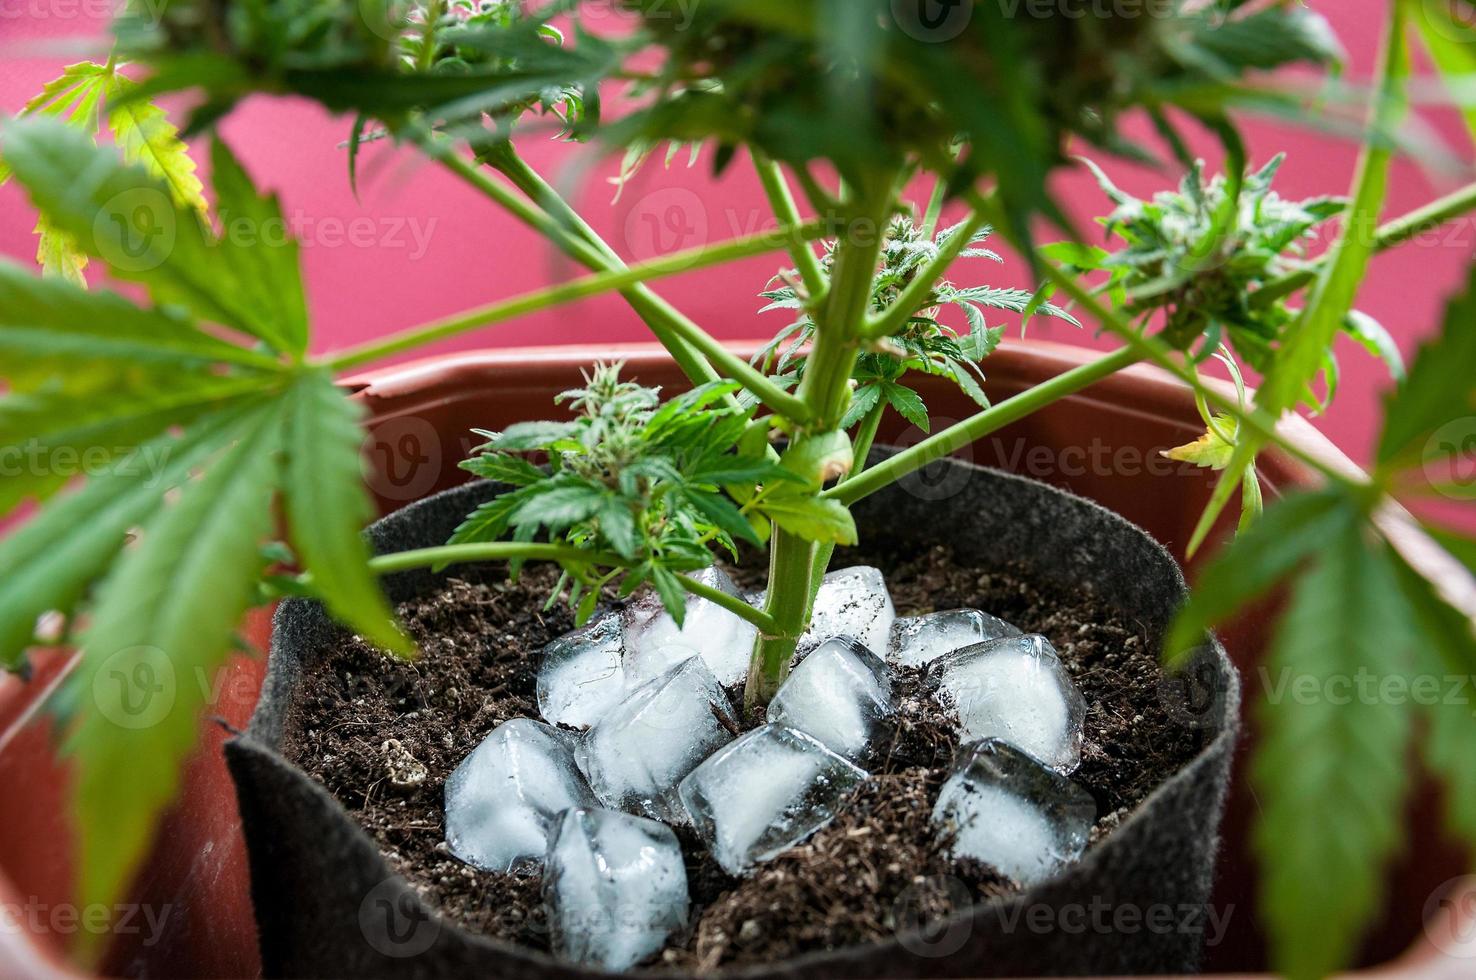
(83, 96)
(192, 438)
(1331, 774)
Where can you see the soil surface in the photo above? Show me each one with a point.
(383, 735)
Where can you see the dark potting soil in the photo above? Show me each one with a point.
(382, 735)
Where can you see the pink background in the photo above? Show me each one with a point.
(369, 273)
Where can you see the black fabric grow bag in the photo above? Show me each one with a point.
(327, 904)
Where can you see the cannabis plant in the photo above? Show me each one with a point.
(147, 567)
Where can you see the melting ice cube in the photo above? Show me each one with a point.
(1008, 810)
(643, 747)
(841, 693)
(851, 602)
(581, 675)
(1017, 690)
(762, 794)
(616, 886)
(654, 643)
(502, 800)
(919, 640)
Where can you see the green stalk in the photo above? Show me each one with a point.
(916, 295)
(733, 604)
(935, 209)
(826, 392)
(460, 554)
(955, 437)
(861, 448)
(600, 282)
(782, 202)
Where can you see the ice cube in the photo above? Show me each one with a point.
(654, 642)
(841, 693)
(851, 602)
(1015, 689)
(762, 794)
(919, 640)
(616, 887)
(643, 747)
(581, 676)
(502, 801)
(1008, 810)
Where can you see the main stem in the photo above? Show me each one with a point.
(826, 392)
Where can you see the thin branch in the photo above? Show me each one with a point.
(460, 554)
(732, 604)
(780, 199)
(600, 282)
(915, 296)
(701, 356)
(957, 436)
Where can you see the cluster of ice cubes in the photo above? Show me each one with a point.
(642, 736)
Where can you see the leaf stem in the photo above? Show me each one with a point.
(586, 286)
(696, 351)
(460, 554)
(780, 199)
(955, 437)
(685, 340)
(732, 604)
(935, 208)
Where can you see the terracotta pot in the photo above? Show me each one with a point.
(419, 417)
